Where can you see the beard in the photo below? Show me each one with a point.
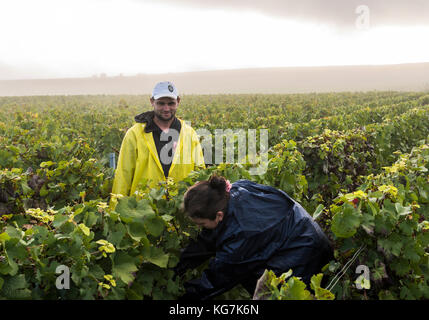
(162, 117)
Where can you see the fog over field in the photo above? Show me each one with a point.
(405, 77)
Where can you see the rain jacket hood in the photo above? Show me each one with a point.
(145, 117)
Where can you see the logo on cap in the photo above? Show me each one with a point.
(170, 88)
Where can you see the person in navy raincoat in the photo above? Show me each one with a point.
(247, 228)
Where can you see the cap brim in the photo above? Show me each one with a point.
(166, 95)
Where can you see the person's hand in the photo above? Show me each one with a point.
(190, 294)
(180, 269)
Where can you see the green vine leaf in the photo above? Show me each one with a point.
(346, 222)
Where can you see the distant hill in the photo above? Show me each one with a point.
(402, 77)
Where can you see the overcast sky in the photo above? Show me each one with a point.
(80, 38)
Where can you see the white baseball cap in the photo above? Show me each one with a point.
(165, 89)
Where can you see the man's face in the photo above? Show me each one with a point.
(165, 108)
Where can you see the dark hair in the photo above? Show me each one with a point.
(204, 199)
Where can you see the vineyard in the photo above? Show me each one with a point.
(357, 162)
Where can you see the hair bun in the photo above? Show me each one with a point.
(217, 183)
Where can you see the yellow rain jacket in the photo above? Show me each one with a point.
(138, 159)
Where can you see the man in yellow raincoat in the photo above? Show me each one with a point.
(158, 146)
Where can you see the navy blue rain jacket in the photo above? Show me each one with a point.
(263, 228)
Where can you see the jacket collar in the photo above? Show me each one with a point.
(147, 117)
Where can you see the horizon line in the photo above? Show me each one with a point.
(140, 74)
